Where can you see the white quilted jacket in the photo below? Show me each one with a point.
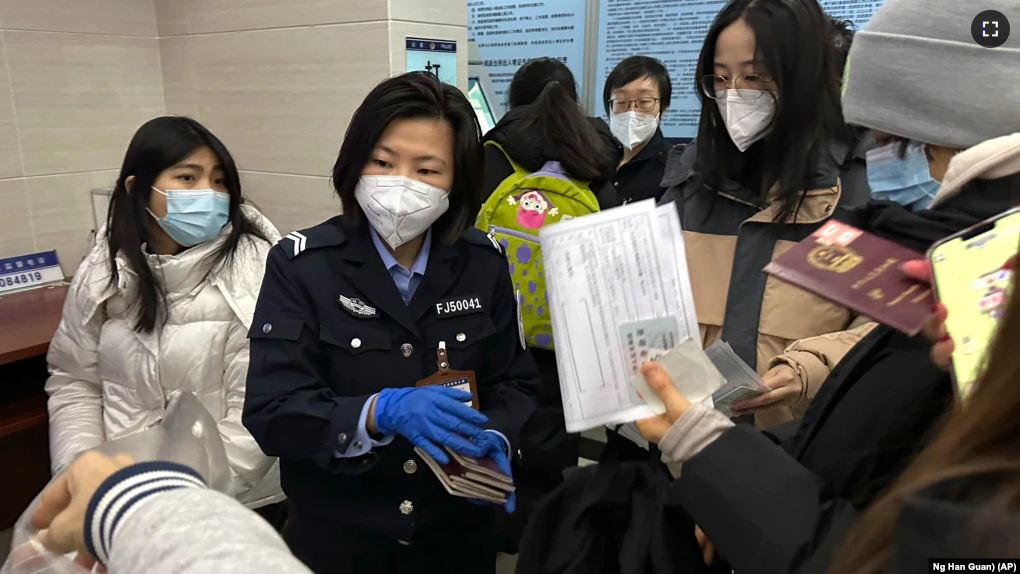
(108, 381)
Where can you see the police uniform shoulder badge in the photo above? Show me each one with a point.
(323, 235)
(298, 243)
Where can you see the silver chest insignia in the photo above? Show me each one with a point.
(357, 307)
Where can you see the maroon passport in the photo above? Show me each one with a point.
(859, 271)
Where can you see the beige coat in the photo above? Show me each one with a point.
(729, 239)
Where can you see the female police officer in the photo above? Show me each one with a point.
(351, 315)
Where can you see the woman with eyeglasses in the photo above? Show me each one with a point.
(637, 94)
(772, 162)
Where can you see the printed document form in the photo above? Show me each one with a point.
(619, 294)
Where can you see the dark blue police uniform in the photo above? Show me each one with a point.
(330, 330)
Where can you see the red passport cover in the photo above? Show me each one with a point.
(859, 271)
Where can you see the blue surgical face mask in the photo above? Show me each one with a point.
(903, 180)
(193, 216)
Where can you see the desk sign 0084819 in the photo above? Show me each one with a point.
(29, 271)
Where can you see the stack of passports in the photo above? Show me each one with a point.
(470, 477)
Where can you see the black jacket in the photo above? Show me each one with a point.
(641, 177)
(783, 508)
(951, 520)
(330, 330)
(531, 150)
(609, 520)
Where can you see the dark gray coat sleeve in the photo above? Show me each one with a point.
(764, 512)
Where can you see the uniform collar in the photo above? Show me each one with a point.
(369, 266)
(420, 262)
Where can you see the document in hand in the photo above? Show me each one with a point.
(690, 369)
(470, 477)
(742, 382)
(619, 295)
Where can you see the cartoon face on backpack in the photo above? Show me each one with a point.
(532, 208)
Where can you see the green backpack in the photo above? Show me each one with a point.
(522, 204)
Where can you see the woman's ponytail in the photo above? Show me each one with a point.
(555, 113)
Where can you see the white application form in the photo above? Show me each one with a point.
(618, 289)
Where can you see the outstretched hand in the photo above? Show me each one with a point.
(654, 428)
(60, 517)
(786, 388)
(935, 329)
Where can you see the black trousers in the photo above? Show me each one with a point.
(457, 551)
(546, 451)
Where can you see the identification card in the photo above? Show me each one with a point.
(648, 340)
(447, 377)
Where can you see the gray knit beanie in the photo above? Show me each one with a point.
(916, 72)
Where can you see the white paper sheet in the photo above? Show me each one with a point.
(604, 271)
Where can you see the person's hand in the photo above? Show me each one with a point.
(431, 417)
(495, 450)
(60, 517)
(935, 329)
(786, 389)
(654, 428)
(707, 548)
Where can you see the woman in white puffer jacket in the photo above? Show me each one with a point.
(162, 304)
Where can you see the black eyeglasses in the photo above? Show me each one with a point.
(748, 87)
(643, 105)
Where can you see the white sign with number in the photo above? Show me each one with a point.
(28, 271)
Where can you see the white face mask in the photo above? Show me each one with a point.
(400, 208)
(746, 120)
(633, 128)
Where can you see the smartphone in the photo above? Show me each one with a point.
(971, 280)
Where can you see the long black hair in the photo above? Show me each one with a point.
(158, 145)
(793, 39)
(408, 96)
(548, 88)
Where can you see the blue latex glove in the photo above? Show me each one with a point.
(495, 449)
(430, 417)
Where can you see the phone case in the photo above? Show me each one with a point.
(935, 250)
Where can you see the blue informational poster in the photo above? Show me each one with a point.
(509, 34)
(438, 57)
(673, 31)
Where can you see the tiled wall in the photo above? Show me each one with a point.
(279, 81)
(276, 80)
(77, 77)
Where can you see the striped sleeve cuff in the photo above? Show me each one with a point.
(119, 495)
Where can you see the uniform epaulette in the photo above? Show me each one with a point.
(325, 234)
(476, 236)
